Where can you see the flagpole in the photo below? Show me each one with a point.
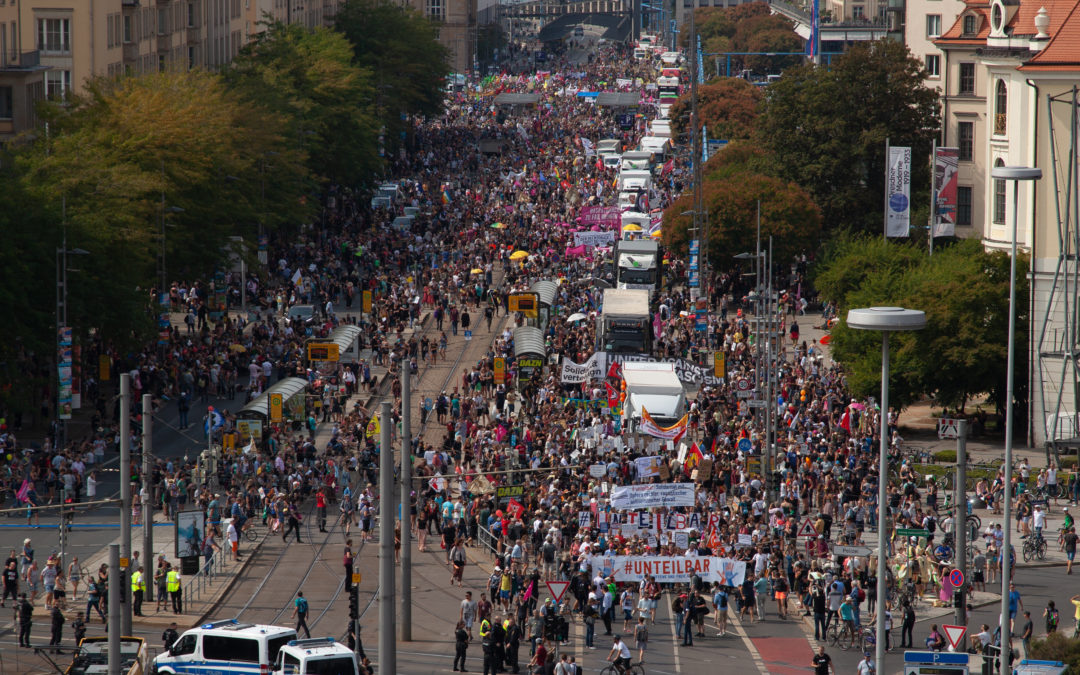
(933, 195)
(885, 219)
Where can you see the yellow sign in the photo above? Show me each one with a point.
(124, 563)
(372, 427)
(500, 370)
(526, 303)
(250, 428)
(366, 301)
(719, 365)
(322, 351)
(103, 368)
(356, 577)
(276, 405)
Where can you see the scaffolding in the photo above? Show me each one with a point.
(1056, 331)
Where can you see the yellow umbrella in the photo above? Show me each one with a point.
(476, 270)
(655, 235)
(519, 255)
(631, 227)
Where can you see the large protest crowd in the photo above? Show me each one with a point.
(537, 470)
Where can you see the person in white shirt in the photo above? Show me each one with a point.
(91, 486)
(620, 654)
(1039, 520)
(234, 539)
(866, 666)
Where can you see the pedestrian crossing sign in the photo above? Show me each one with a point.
(806, 530)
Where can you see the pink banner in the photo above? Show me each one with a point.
(609, 216)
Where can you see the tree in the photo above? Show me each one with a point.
(728, 108)
(401, 49)
(308, 78)
(787, 214)
(827, 128)
(963, 290)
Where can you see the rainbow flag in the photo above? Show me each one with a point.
(445, 197)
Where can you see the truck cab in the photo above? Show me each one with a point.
(638, 265)
(315, 656)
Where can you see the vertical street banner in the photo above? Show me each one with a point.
(694, 269)
(64, 367)
(898, 192)
(946, 170)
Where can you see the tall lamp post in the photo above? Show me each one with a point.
(886, 320)
(1014, 174)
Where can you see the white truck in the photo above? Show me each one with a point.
(638, 265)
(625, 322)
(316, 656)
(654, 387)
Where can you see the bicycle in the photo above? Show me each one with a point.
(632, 669)
(841, 635)
(867, 639)
(1034, 547)
(250, 533)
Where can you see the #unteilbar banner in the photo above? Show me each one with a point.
(634, 568)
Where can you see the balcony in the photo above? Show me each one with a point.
(20, 60)
(1001, 126)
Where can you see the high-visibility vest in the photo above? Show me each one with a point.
(485, 628)
(172, 581)
(137, 582)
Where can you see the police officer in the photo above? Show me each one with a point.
(498, 644)
(57, 629)
(172, 585)
(138, 588)
(485, 643)
(25, 611)
(170, 636)
(513, 643)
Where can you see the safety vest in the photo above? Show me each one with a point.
(485, 628)
(137, 582)
(172, 581)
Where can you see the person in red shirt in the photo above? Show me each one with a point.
(320, 509)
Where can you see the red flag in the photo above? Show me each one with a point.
(845, 421)
(614, 370)
(516, 508)
(612, 396)
(693, 457)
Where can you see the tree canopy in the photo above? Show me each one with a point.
(826, 129)
(728, 108)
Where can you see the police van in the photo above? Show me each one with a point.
(315, 656)
(224, 648)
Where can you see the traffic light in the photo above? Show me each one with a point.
(958, 597)
(354, 603)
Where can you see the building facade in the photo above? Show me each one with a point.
(458, 23)
(924, 22)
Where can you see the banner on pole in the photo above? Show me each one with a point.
(665, 569)
(946, 172)
(898, 192)
(652, 495)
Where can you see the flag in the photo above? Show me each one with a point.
(794, 420)
(558, 176)
(250, 446)
(373, 427)
(673, 432)
(614, 370)
(23, 495)
(445, 197)
(297, 278)
(714, 540)
(845, 421)
(693, 457)
(588, 145)
(612, 395)
(528, 592)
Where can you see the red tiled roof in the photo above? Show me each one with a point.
(1023, 22)
(1063, 49)
(953, 35)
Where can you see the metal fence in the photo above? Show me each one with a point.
(198, 583)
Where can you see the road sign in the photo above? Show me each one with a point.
(356, 577)
(957, 578)
(744, 385)
(558, 589)
(947, 428)
(719, 364)
(124, 563)
(753, 403)
(912, 533)
(955, 635)
(931, 658)
(806, 530)
(744, 445)
(428, 404)
(861, 551)
(742, 393)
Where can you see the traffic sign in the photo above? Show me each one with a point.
(743, 385)
(940, 658)
(860, 551)
(428, 404)
(754, 403)
(956, 577)
(558, 589)
(744, 445)
(955, 635)
(947, 428)
(356, 577)
(806, 530)
(124, 563)
(902, 532)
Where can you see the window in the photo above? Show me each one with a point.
(191, 15)
(54, 36)
(933, 65)
(127, 29)
(185, 645)
(224, 648)
(933, 25)
(965, 133)
(999, 196)
(967, 79)
(963, 205)
(7, 107)
(191, 57)
(969, 25)
(1001, 108)
(162, 21)
(435, 10)
(858, 13)
(57, 83)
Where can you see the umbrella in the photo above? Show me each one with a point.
(655, 235)
(631, 227)
(825, 340)
(498, 226)
(576, 316)
(476, 270)
(519, 255)
(238, 348)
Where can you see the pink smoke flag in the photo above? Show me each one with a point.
(528, 592)
(23, 495)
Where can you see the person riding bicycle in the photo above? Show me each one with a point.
(619, 655)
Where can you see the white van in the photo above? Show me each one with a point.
(635, 180)
(315, 656)
(641, 53)
(660, 129)
(656, 145)
(636, 159)
(612, 161)
(671, 58)
(224, 647)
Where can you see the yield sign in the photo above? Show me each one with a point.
(955, 634)
(806, 530)
(558, 589)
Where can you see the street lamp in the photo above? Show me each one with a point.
(886, 320)
(1014, 174)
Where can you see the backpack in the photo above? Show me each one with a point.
(641, 633)
(1052, 617)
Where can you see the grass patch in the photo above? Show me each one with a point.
(945, 457)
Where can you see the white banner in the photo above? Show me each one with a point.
(633, 497)
(647, 467)
(898, 192)
(670, 570)
(594, 238)
(592, 369)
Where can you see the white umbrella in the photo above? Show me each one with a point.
(576, 316)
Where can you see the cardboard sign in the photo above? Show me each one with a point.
(704, 470)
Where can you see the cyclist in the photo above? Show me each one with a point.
(847, 617)
(1039, 520)
(619, 655)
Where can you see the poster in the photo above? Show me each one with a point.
(190, 526)
(594, 238)
(633, 497)
(946, 172)
(647, 467)
(634, 568)
(605, 216)
(898, 192)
